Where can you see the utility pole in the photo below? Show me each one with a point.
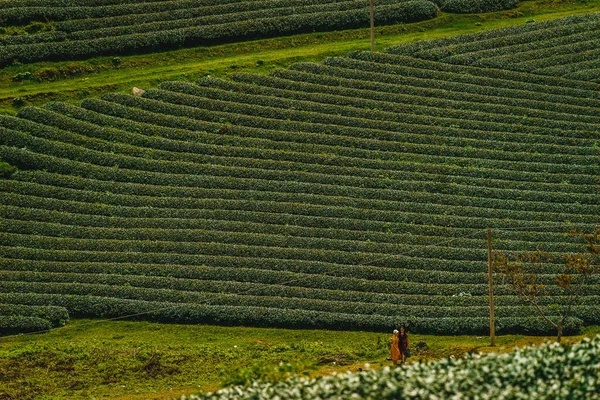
(372, 12)
(491, 289)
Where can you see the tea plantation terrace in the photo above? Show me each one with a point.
(352, 194)
(39, 30)
(83, 29)
(566, 47)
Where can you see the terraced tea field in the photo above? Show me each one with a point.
(349, 194)
(44, 30)
(566, 47)
(40, 30)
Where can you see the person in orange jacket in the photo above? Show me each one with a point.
(395, 349)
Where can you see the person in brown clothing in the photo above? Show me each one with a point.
(402, 345)
(395, 349)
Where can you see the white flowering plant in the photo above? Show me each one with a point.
(551, 371)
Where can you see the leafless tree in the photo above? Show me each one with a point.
(575, 273)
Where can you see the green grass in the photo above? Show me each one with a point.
(98, 76)
(92, 359)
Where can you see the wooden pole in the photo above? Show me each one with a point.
(372, 12)
(491, 289)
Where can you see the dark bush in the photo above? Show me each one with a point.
(476, 6)
(18, 102)
(6, 170)
(22, 76)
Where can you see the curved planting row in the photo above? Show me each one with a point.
(565, 47)
(378, 113)
(83, 29)
(476, 6)
(115, 29)
(84, 305)
(69, 30)
(19, 318)
(352, 194)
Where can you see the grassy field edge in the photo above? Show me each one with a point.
(94, 359)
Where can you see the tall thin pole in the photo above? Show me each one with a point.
(372, 11)
(491, 289)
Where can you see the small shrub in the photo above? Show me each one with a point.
(73, 70)
(6, 170)
(22, 76)
(18, 102)
(476, 6)
(35, 27)
(47, 74)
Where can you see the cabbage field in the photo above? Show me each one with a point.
(349, 194)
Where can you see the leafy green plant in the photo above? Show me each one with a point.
(6, 170)
(310, 197)
(139, 29)
(529, 372)
(22, 76)
(476, 6)
(559, 47)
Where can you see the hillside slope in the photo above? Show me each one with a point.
(352, 194)
(41, 30)
(565, 47)
(44, 31)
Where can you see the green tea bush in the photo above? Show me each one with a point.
(26, 11)
(556, 48)
(473, 39)
(377, 110)
(197, 9)
(86, 305)
(476, 6)
(57, 316)
(544, 372)
(11, 325)
(503, 78)
(476, 89)
(592, 74)
(578, 163)
(207, 30)
(216, 18)
(351, 194)
(6, 170)
(141, 166)
(348, 95)
(530, 55)
(140, 275)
